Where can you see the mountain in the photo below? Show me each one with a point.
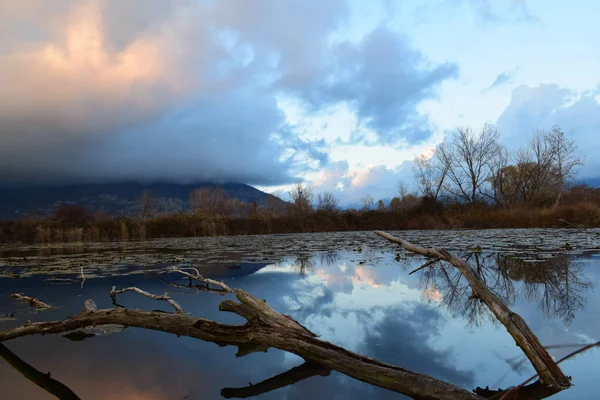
(115, 198)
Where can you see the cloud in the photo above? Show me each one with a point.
(506, 11)
(502, 79)
(540, 107)
(149, 90)
(382, 77)
(378, 181)
(401, 339)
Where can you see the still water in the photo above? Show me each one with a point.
(352, 289)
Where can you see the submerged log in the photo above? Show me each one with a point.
(548, 370)
(290, 377)
(32, 301)
(41, 379)
(265, 328)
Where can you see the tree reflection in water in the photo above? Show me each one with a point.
(556, 283)
(303, 264)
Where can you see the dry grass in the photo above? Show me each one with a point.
(95, 229)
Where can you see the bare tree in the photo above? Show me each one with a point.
(497, 168)
(542, 172)
(402, 189)
(210, 201)
(147, 204)
(429, 176)
(368, 202)
(565, 159)
(326, 201)
(302, 196)
(469, 160)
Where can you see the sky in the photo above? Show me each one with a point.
(339, 94)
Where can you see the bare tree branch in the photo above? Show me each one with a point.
(287, 378)
(265, 328)
(197, 277)
(427, 264)
(52, 386)
(163, 297)
(570, 355)
(549, 372)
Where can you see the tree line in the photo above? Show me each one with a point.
(471, 181)
(474, 168)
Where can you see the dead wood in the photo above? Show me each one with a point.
(265, 328)
(290, 377)
(163, 297)
(41, 379)
(198, 277)
(536, 390)
(196, 288)
(545, 366)
(427, 264)
(32, 301)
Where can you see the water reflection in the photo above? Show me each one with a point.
(304, 264)
(359, 300)
(555, 284)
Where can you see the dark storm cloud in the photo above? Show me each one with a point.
(95, 90)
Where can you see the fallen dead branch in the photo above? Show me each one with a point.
(265, 328)
(570, 355)
(32, 301)
(198, 277)
(545, 366)
(290, 377)
(41, 379)
(59, 281)
(163, 297)
(427, 264)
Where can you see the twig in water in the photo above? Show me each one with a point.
(427, 264)
(59, 281)
(198, 277)
(572, 354)
(163, 297)
(82, 278)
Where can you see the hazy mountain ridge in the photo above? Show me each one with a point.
(113, 198)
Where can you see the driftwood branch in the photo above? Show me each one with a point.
(32, 301)
(198, 277)
(545, 366)
(570, 355)
(41, 379)
(290, 377)
(163, 297)
(196, 288)
(427, 264)
(265, 328)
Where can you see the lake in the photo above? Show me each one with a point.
(352, 289)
